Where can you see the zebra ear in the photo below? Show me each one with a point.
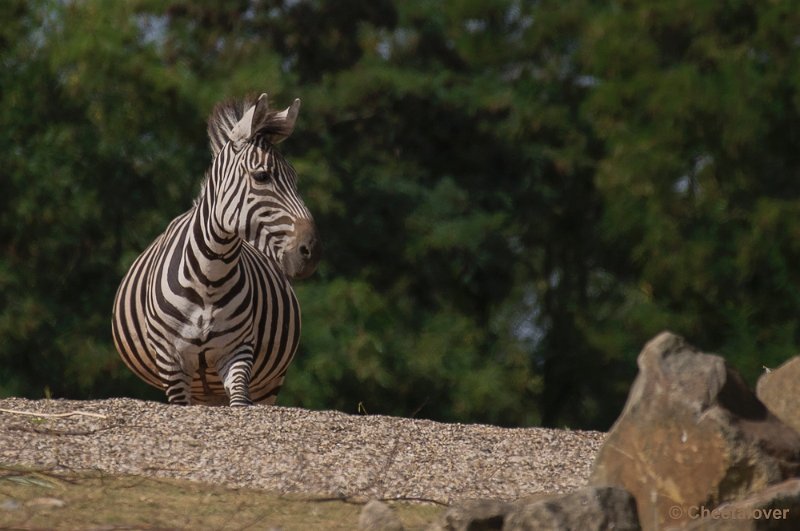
(283, 122)
(247, 126)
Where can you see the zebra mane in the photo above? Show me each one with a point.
(226, 115)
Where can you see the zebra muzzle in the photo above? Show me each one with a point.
(301, 259)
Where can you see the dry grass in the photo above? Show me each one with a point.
(37, 499)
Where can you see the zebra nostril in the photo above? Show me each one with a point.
(305, 254)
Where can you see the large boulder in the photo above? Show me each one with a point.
(779, 390)
(692, 434)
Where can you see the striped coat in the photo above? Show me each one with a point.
(207, 311)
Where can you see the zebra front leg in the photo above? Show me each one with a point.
(234, 372)
(177, 380)
(179, 386)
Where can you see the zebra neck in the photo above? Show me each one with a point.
(212, 253)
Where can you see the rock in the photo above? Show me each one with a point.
(475, 515)
(779, 390)
(10, 505)
(377, 516)
(45, 503)
(692, 434)
(774, 508)
(587, 509)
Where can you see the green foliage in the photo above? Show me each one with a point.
(513, 196)
(700, 105)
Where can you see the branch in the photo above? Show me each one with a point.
(54, 415)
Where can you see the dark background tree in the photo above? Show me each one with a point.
(514, 196)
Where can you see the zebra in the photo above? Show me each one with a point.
(207, 312)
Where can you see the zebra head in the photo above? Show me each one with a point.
(255, 188)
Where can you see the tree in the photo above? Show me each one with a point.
(699, 102)
(86, 181)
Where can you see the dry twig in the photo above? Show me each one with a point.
(77, 412)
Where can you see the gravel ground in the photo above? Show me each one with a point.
(290, 450)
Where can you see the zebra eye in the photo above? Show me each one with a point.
(261, 176)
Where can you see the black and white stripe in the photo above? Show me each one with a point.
(207, 311)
